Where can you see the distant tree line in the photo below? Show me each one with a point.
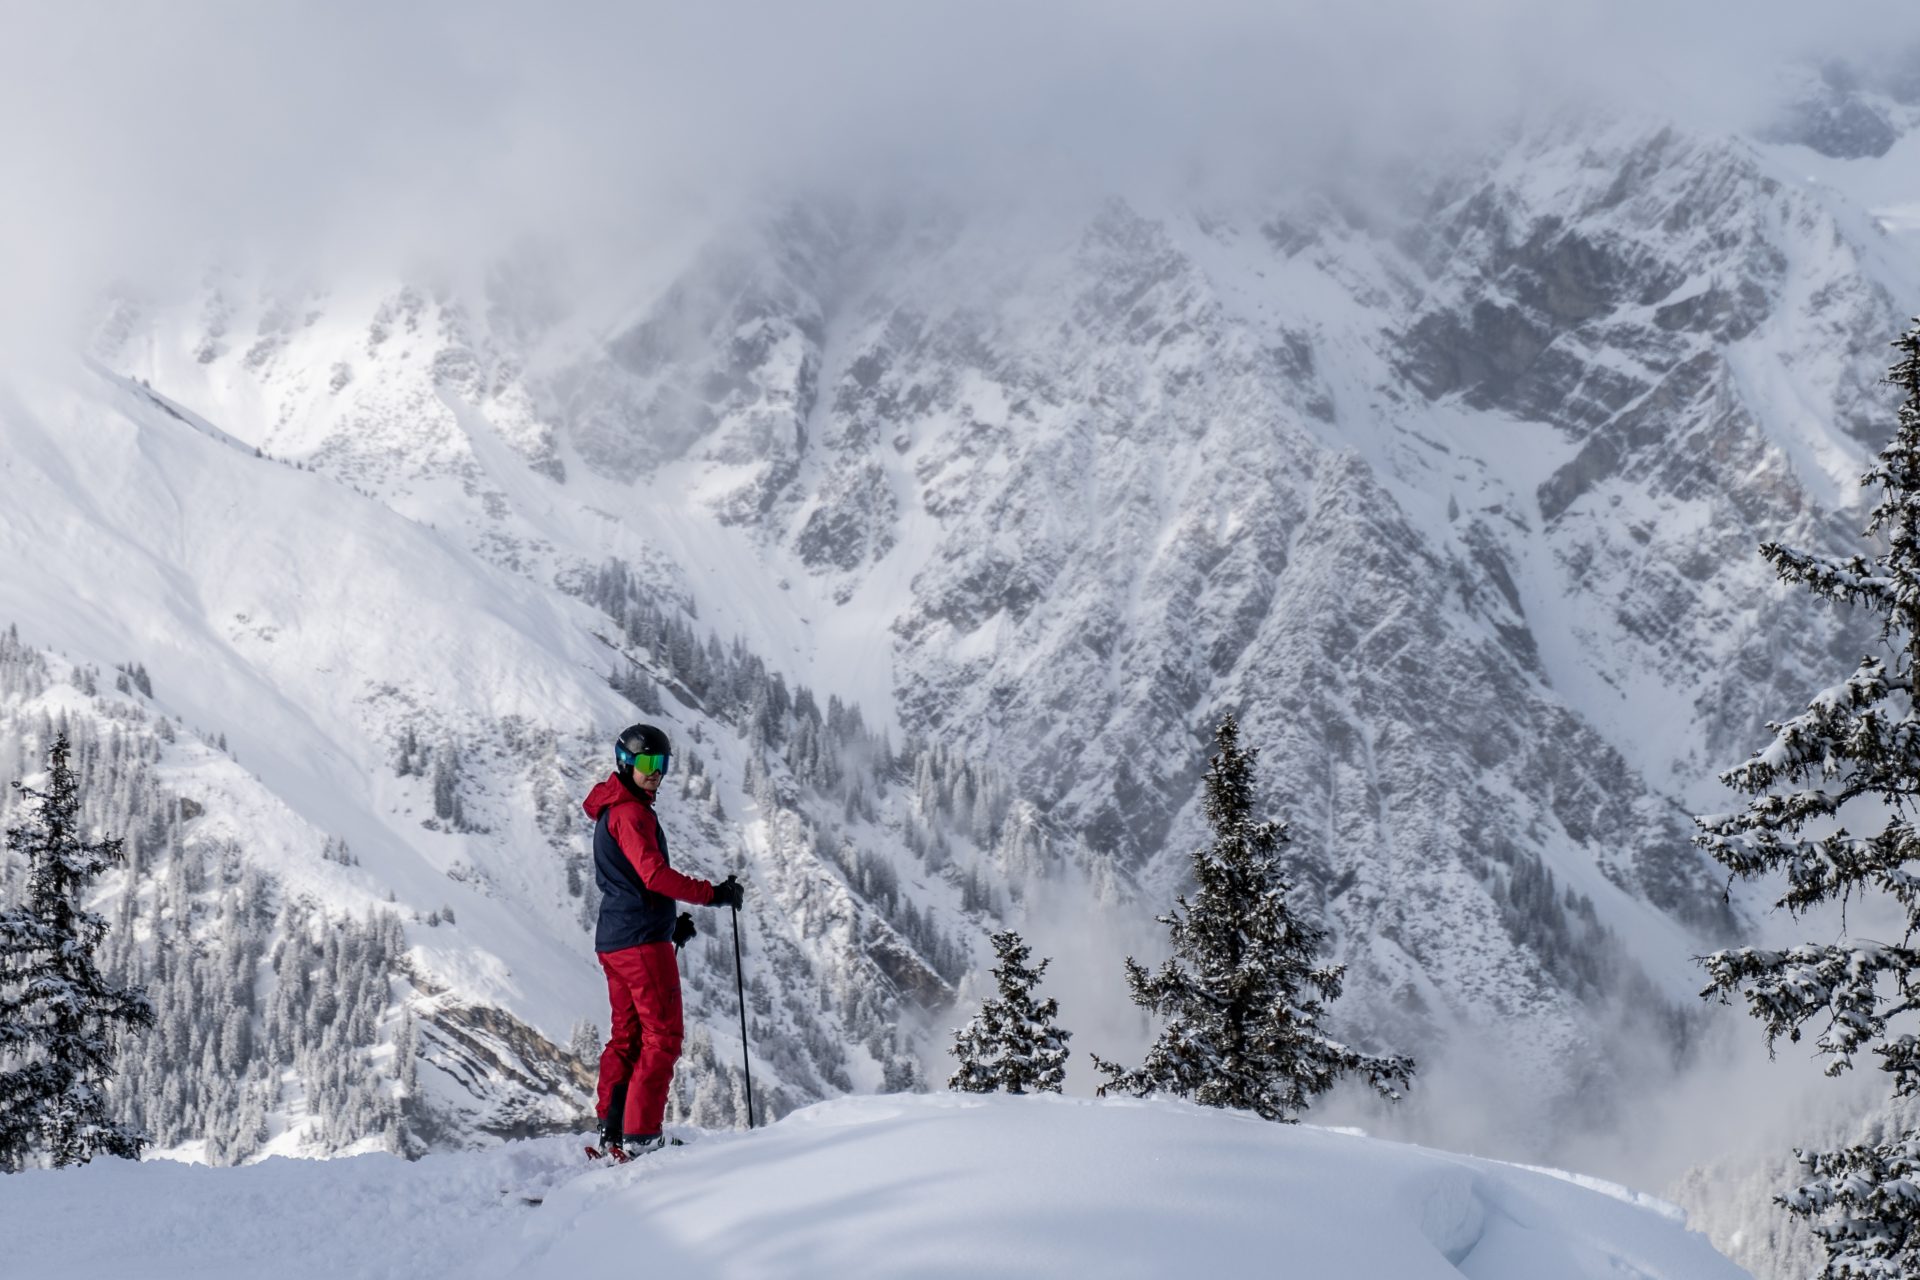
(245, 985)
(61, 1019)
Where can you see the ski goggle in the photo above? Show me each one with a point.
(645, 763)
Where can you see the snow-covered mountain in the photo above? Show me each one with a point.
(933, 1186)
(386, 728)
(940, 536)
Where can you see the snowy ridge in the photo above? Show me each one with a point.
(938, 1185)
(1453, 499)
(414, 731)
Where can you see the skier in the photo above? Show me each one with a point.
(636, 939)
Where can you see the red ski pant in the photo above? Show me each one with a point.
(643, 986)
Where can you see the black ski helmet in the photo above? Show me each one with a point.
(639, 740)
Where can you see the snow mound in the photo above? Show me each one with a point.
(897, 1185)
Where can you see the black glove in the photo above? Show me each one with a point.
(683, 931)
(729, 893)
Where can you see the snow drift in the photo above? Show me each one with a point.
(897, 1185)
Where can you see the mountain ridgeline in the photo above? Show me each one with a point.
(939, 543)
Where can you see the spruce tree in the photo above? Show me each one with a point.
(57, 1012)
(1243, 993)
(446, 799)
(1857, 741)
(1012, 1044)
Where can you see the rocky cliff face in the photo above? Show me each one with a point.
(1452, 495)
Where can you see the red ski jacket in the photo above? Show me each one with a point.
(637, 884)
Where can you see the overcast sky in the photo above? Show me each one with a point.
(145, 138)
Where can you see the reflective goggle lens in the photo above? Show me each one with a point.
(650, 762)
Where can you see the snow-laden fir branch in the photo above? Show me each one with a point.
(1858, 740)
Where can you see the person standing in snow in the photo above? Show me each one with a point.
(636, 938)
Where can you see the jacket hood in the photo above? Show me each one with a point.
(607, 794)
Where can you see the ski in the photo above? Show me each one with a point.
(604, 1157)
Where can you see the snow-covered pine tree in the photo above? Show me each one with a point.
(57, 1013)
(446, 796)
(1012, 1044)
(1242, 994)
(1859, 740)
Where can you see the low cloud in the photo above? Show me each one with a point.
(143, 142)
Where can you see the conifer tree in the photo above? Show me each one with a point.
(57, 1012)
(1243, 993)
(1012, 1044)
(446, 800)
(1857, 741)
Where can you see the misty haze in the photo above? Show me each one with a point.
(919, 488)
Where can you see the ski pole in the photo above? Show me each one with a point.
(740, 989)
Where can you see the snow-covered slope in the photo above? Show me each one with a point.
(939, 1185)
(1451, 493)
(375, 722)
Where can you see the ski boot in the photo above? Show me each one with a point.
(612, 1143)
